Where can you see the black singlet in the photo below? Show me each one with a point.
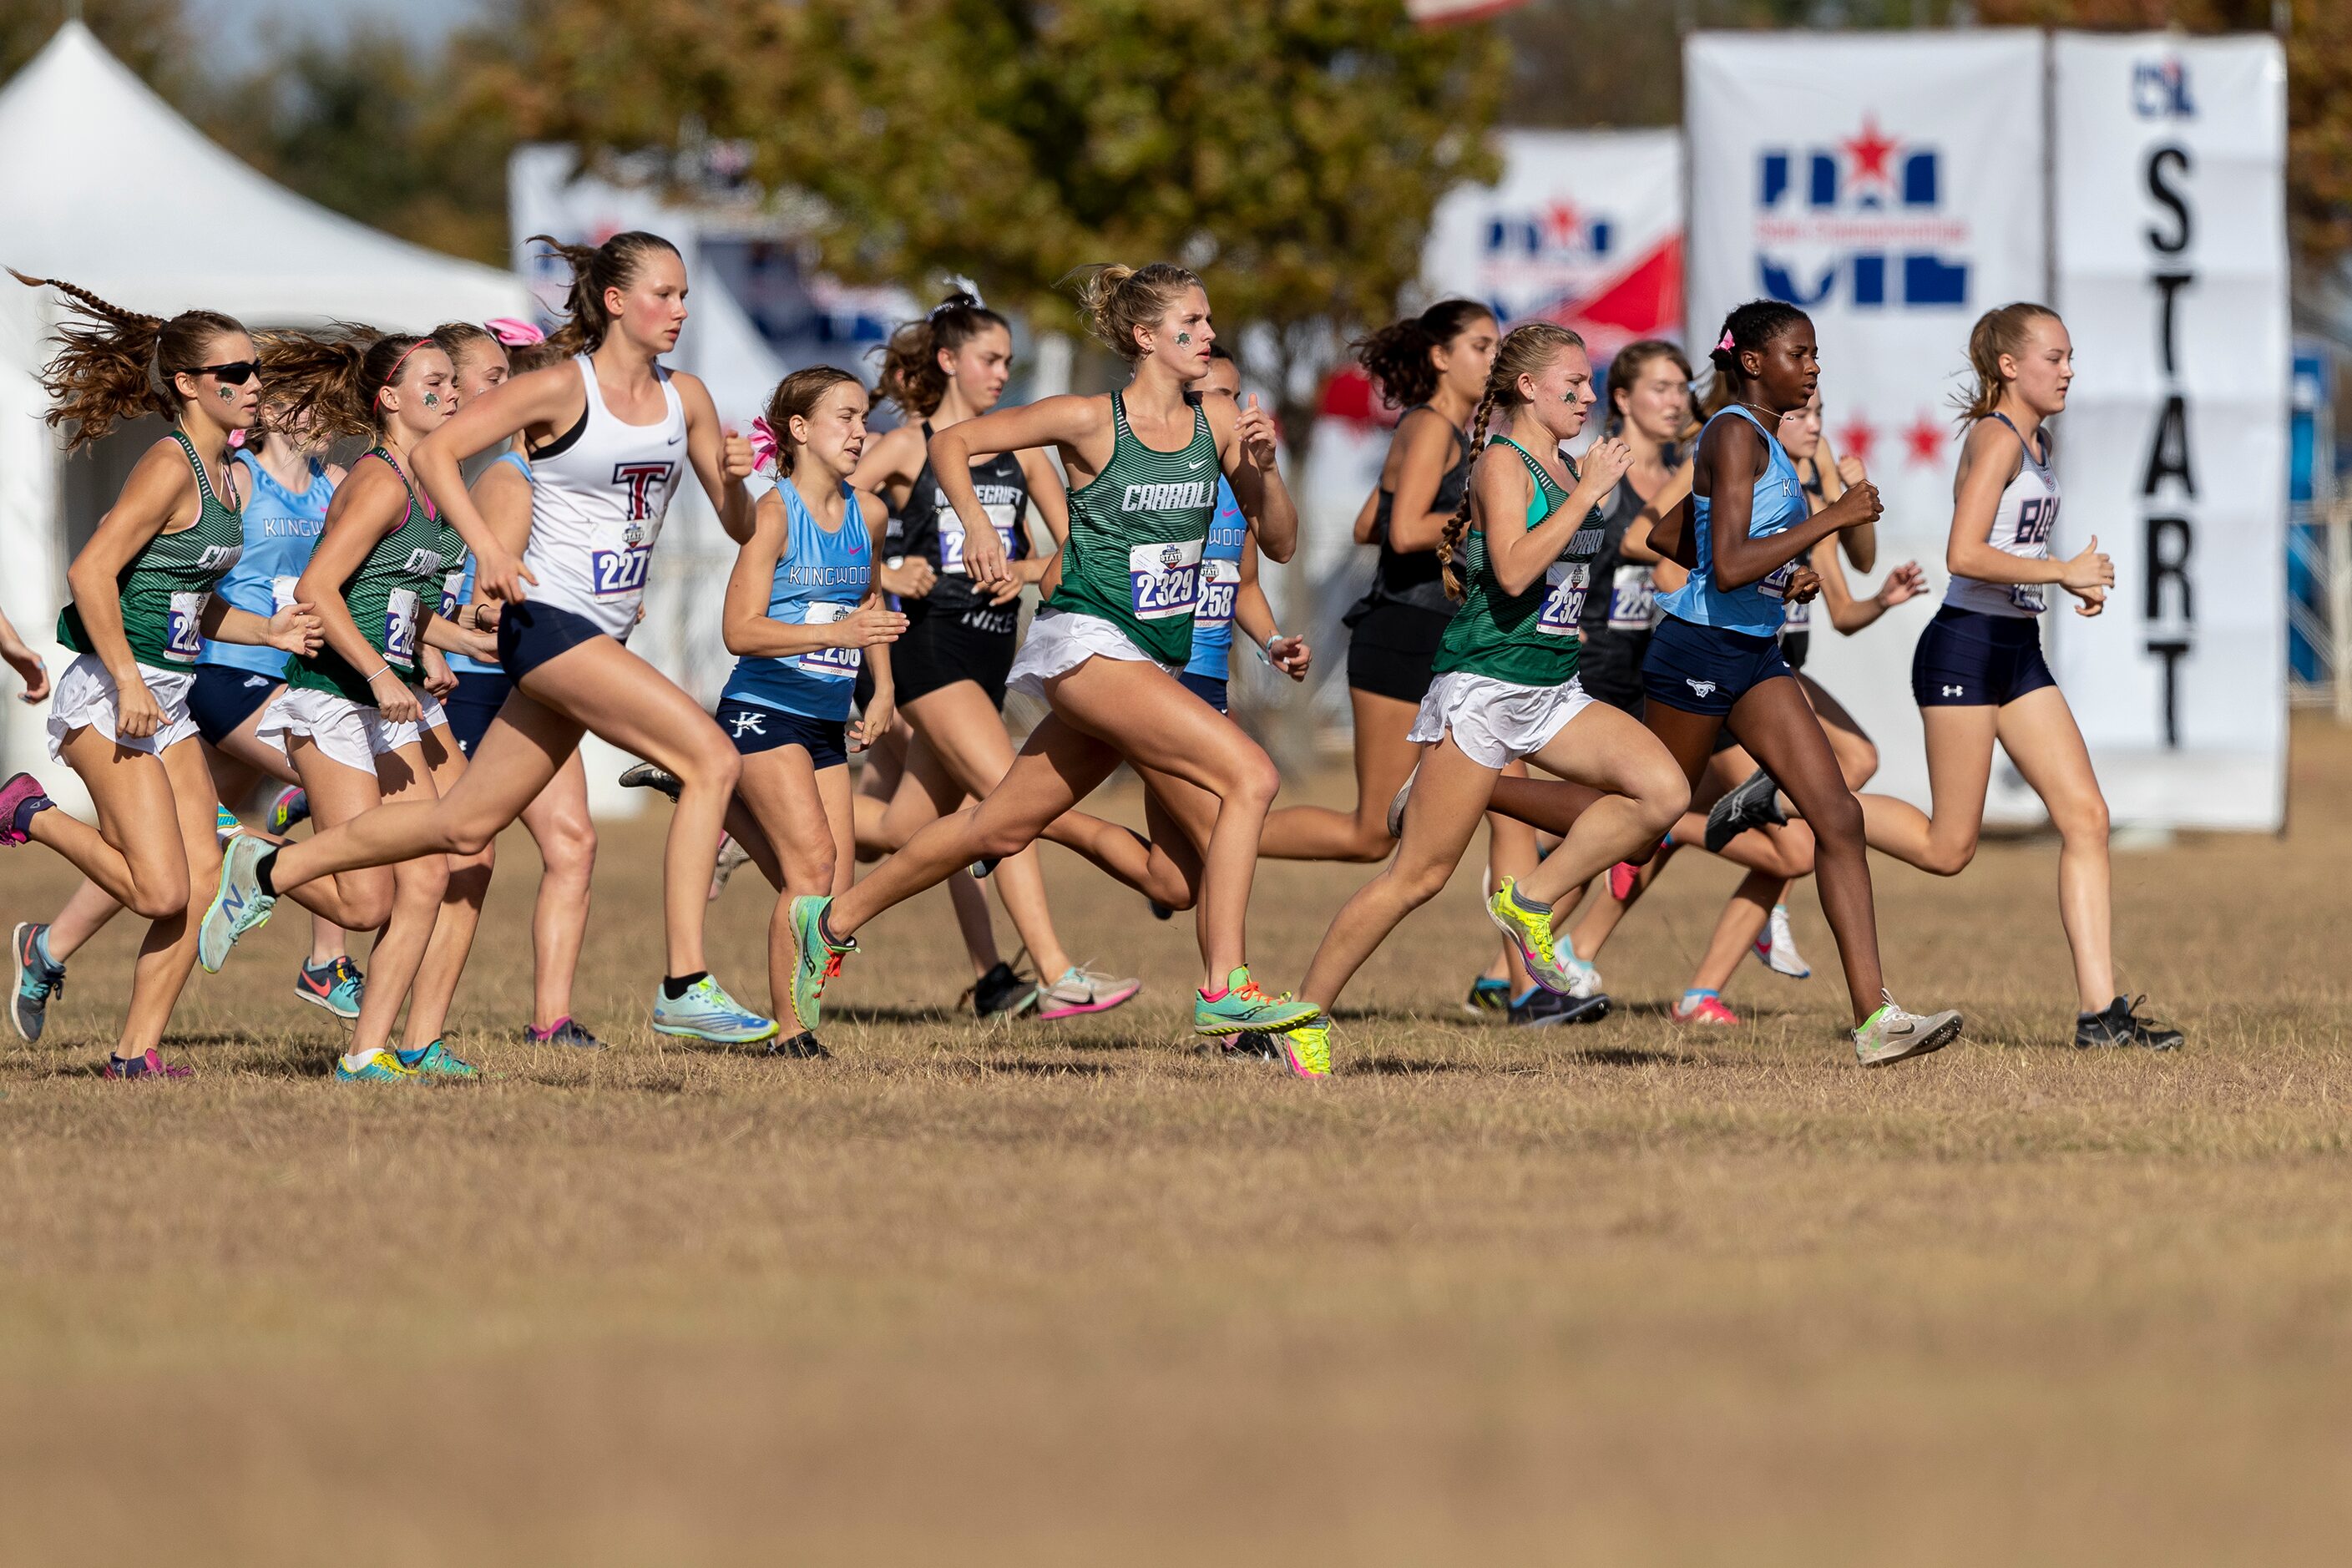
(915, 527)
(1413, 578)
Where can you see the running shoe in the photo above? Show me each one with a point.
(1244, 1007)
(1584, 979)
(1395, 822)
(645, 775)
(1892, 1035)
(337, 985)
(2120, 1023)
(20, 799)
(1487, 994)
(225, 826)
(1623, 876)
(148, 1066)
(1541, 1008)
(1255, 1045)
(40, 980)
(732, 856)
(1306, 1048)
(565, 1031)
(292, 805)
(1002, 992)
(820, 960)
(1531, 931)
(707, 1013)
(1081, 990)
(1704, 1009)
(1753, 803)
(238, 904)
(1160, 911)
(435, 1061)
(803, 1047)
(1775, 947)
(376, 1066)
(985, 867)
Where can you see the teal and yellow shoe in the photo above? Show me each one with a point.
(1307, 1050)
(1531, 931)
(337, 985)
(707, 1013)
(377, 1066)
(1488, 995)
(434, 1061)
(225, 826)
(820, 957)
(1244, 1007)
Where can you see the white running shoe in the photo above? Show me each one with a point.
(1584, 979)
(1775, 947)
(1892, 1035)
(731, 855)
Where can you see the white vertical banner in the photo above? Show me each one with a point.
(2172, 276)
(1891, 185)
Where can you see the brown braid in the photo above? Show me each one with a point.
(1525, 351)
(1449, 540)
(117, 364)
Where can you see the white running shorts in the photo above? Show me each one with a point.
(1060, 641)
(1495, 722)
(85, 696)
(353, 733)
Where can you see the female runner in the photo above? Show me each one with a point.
(355, 718)
(608, 434)
(1979, 675)
(1116, 629)
(1506, 684)
(287, 484)
(142, 605)
(952, 662)
(558, 820)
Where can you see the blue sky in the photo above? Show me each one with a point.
(238, 26)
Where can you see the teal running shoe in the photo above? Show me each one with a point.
(434, 1061)
(819, 959)
(707, 1013)
(225, 826)
(1243, 1007)
(238, 905)
(337, 985)
(291, 807)
(39, 980)
(379, 1065)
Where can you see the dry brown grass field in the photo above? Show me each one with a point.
(1079, 1293)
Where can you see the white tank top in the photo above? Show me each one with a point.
(2022, 526)
(597, 498)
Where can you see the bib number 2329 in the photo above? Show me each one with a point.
(1164, 579)
(620, 571)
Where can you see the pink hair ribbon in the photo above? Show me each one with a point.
(1726, 346)
(512, 333)
(764, 447)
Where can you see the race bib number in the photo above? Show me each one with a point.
(1163, 580)
(1564, 606)
(1776, 586)
(1796, 615)
(1220, 581)
(618, 572)
(2029, 597)
(451, 586)
(400, 618)
(828, 663)
(1633, 599)
(950, 528)
(281, 592)
(185, 634)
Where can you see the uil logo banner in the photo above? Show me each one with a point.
(1864, 214)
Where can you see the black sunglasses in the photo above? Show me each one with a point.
(236, 373)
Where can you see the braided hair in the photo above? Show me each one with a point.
(113, 364)
(1525, 351)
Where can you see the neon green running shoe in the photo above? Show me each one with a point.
(820, 960)
(1244, 1007)
(1531, 933)
(434, 1061)
(1307, 1050)
(379, 1065)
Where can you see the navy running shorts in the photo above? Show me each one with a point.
(224, 698)
(1966, 659)
(479, 696)
(1207, 687)
(530, 633)
(754, 729)
(1706, 669)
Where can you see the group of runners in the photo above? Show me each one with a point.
(1599, 655)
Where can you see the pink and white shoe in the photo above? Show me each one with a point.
(149, 1066)
(1702, 1009)
(1083, 991)
(20, 798)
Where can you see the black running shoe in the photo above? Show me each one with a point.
(1251, 1044)
(1160, 911)
(803, 1047)
(1000, 992)
(1753, 803)
(1545, 1008)
(645, 775)
(2121, 1024)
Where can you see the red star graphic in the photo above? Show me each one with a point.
(1561, 219)
(1856, 438)
(1870, 151)
(1923, 441)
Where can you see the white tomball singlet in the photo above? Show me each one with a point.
(597, 498)
(2022, 526)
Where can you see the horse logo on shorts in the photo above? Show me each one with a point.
(1704, 689)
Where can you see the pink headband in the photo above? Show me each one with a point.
(393, 374)
(512, 333)
(764, 447)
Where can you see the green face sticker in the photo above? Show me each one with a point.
(432, 400)
(227, 394)
(1183, 340)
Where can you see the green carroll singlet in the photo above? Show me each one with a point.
(165, 587)
(1528, 639)
(389, 597)
(1136, 531)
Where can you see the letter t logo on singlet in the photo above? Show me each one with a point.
(638, 481)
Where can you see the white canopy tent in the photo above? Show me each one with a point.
(108, 186)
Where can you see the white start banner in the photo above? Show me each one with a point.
(2172, 277)
(1585, 228)
(1891, 184)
